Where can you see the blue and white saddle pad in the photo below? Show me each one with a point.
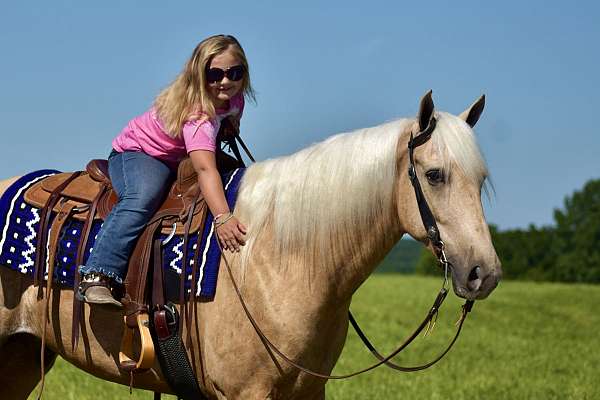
(19, 224)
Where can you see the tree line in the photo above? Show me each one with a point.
(566, 251)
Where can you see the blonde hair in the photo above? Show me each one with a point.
(187, 98)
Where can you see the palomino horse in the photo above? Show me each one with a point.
(319, 222)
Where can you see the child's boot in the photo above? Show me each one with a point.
(95, 289)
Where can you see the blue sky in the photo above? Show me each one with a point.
(73, 73)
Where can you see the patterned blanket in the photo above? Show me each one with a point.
(19, 223)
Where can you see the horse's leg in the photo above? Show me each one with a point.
(19, 347)
(20, 365)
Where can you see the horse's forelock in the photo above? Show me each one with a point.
(456, 143)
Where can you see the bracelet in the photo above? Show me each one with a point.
(219, 223)
(220, 215)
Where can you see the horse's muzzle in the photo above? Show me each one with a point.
(476, 284)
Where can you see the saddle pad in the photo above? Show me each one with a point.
(19, 223)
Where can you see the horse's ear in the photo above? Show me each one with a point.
(425, 111)
(471, 115)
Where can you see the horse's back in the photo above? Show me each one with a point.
(6, 183)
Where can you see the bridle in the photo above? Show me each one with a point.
(431, 228)
(433, 235)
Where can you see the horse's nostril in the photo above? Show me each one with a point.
(474, 279)
(474, 274)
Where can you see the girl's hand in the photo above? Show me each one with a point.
(231, 235)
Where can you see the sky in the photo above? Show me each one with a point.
(73, 73)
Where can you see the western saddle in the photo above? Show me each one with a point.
(88, 196)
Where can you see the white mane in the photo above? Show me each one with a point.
(316, 201)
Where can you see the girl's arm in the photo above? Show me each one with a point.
(231, 233)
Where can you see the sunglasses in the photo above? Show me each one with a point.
(234, 73)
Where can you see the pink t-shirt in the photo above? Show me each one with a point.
(145, 133)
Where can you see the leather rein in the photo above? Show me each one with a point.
(433, 235)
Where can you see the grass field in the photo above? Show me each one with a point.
(527, 341)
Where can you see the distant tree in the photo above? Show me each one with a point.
(525, 254)
(402, 258)
(578, 236)
(427, 264)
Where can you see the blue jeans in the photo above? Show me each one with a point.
(141, 182)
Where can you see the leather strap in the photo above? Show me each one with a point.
(232, 143)
(271, 347)
(55, 234)
(465, 309)
(239, 139)
(158, 290)
(136, 312)
(161, 325)
(433, 233)
(135, 282)
(186, 235)
(42, 238)
(85, 235)
(236, 151)
(185, 304)
(194, 307)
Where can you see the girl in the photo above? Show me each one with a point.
(184, 120)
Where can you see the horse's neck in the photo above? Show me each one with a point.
(345, 257)
(364, 252)
(327, 212)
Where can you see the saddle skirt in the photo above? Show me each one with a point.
(20, 218)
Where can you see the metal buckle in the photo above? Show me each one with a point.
(443, 260)
(172, 314)
(432, 234)
(168, 238)
(81, 209)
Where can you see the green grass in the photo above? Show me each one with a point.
(527, 341)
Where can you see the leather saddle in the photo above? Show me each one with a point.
(86, 187)
(88, 196)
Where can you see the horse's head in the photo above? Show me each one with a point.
(451, 173)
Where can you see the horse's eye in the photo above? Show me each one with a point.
(435, 176)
